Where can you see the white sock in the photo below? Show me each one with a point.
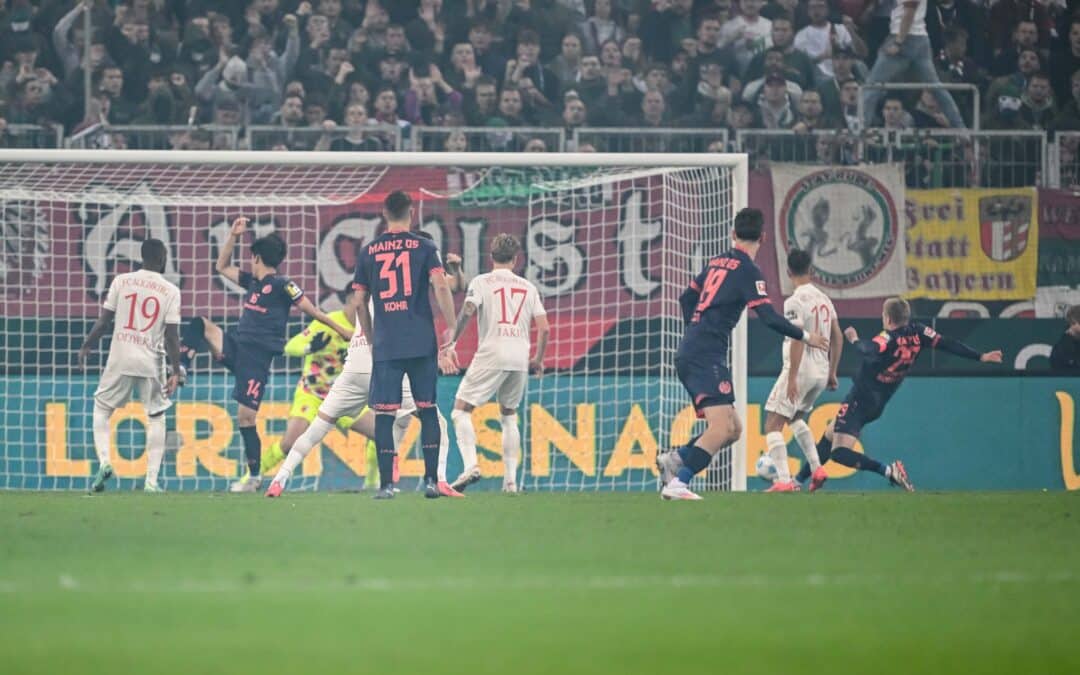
(511, 443)
(805, 439)
(311, 437)
(102, 434)
(444, 446)
(466, 438)
(155, 447)
(778, 452)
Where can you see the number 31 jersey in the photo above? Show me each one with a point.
(396, 270)
(506, 305)
(144, 302)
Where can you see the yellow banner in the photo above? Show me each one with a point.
(972, 244)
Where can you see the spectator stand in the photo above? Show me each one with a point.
(156, 137)
(649, 139)
(31, 136)
(970, 89)
(370, 138)
(488, 139)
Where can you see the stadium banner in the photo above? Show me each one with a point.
(1021, 433)
(1059, 238)
(972, 244)
(849, 219)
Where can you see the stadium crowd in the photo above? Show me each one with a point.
(351, 66)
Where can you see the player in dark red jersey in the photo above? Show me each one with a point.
(887, 358)
(248, 349)
(712, 305)
(395, 270)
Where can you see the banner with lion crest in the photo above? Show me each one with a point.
(850, 221)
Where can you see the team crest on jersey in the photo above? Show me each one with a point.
(1004, 224)
(761, 288)
(848, 222)
(725, 387)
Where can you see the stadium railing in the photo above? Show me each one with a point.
(1064, 160)
(966, 91)
(933, 158)
(156, 137)
(488, 139)
(648, 139)
(31, 136)
(276, 137)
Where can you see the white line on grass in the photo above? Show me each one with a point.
(350, 583)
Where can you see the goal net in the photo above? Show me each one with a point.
(610, 241)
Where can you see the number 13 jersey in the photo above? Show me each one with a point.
(506, 305)
(396, 270)
(144, 302)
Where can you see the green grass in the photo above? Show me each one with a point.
(596, 583)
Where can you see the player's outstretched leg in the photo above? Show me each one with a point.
(311, 437)
(723, 429)
(511, 445)
(824, 451)
(842, 453)
(155, 451)
(102, 443)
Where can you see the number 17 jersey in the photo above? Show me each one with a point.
(396, 270)
(506, 305)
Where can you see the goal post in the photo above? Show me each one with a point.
(610, 240)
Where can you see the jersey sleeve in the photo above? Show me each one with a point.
(928, 337)
(877, 344)
(433, 265)
(473, 295)
(112, 297)
(245, 279)
(792, 313)
(753, 287)
(361, 276)
(172, 312)
(293, 293)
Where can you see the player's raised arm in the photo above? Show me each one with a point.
(309, 308)
(224, 264)
(455, 273)
(938, 341)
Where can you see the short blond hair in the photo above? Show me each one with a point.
(898, 310)
(504, 247)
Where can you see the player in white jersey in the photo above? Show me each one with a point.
(506, 306)
(806, 373)
(146, 309)
(348, 397)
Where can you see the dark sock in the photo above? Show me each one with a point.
(849, 457)
(384, 444)
(252, 449)
(688, 449)
(824, 452)
(430, 437)
(695, 463)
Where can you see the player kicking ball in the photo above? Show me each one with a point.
(248, 349)
(506, 305)
(806, 373)
(711, 306)
(886, 360)
(148, 331)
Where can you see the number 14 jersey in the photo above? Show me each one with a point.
(144, 302)
(506, 305)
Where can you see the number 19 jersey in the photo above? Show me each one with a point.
(506, 304)
(396, 270)
(144, 302)
(729, 284)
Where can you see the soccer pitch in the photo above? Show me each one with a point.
(540, 583)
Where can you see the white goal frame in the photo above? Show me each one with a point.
(736, 162)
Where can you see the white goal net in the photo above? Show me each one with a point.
(610, 240)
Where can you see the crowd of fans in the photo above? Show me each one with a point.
(353, 66)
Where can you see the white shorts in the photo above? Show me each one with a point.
(115, 390)
(478, 386)
(348, 395)
(810, 386)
